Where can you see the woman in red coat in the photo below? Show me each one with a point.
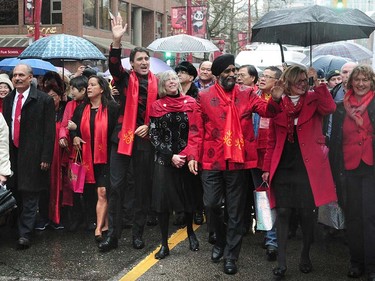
(296, 162)
(352, 155)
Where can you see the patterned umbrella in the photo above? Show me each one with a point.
(62, 46)
(40, 67)
(182, 43)
(343, 49)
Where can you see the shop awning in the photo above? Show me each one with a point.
(13, 45)
(106, 43)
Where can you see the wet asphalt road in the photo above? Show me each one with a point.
(61, 255)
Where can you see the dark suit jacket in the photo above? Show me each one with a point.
(37, 137)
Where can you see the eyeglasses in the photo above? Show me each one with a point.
(229, 70)
(302, 81)
(267, 77)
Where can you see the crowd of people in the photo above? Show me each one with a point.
(194, 143)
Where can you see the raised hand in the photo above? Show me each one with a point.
(118, 29)
(277, 90)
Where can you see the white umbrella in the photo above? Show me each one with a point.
(182, 43)
(264, 58)
(343, 49)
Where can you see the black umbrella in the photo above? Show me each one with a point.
(312, 25)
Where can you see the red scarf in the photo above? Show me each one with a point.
(100, 140)
(233, 138)
(126, 136)
(355, 108)
(292, 112)
(169, 104)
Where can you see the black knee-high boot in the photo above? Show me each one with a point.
(189, 223)
(282, 226)
(163, 223)
(193, 241)
(308, 217)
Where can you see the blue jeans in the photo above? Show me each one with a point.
(270, 237)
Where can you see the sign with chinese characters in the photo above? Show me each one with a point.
(43, 31)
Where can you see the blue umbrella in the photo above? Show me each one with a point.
(40, 67)
(328, 63)
(62, 46)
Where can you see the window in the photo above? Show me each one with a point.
(123, 9)
(104, 18)
(51, 12)
(89, 13)
(9, 12)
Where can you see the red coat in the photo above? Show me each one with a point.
(311, 142)
(206, 131)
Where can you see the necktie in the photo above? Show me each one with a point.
(17, 121)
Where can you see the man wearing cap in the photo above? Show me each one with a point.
(221, 140)
(321, 76)
(186, 74)
(333, 78)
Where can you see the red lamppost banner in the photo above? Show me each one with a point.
(198, 21)
(242, 40)
(179, 20)
(29, 11)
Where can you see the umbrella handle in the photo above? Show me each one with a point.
(282, 51)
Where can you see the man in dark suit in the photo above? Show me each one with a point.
(30, 115)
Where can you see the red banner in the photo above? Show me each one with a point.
(10, 52)
(242, 40)
(29, 11)
(198, 20)
(179, 20)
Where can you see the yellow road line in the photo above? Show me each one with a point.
(137, 271)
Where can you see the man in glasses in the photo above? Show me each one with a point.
(221, 140)
(267, 81)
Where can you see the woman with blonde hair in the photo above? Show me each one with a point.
(296, 160)
(352, 155)
(169, 128)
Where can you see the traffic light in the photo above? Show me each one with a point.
(169, 58)
(339, 4)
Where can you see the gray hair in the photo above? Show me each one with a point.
(163, 78)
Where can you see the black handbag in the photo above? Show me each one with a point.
(7, 201)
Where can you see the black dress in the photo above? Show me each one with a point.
(291, 182)
(170, 190)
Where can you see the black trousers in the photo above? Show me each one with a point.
(230, 185)
(360, 216)
(27, 218)
(142, 161)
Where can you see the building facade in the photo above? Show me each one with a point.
(146, 19)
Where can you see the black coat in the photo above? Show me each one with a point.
(336, 154)
(37, 139)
